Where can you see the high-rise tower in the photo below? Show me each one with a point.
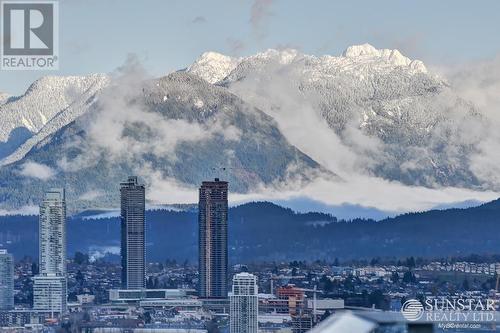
(212, 219)
(52, 233)
(50, 286)
(6, 280)
(244, 304)
(133, 242)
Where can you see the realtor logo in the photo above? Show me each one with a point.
(30, 36)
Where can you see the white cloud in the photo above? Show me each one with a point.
(37, 170)
(166, 190)
(91, 195)
(479, 83)
(302, 123)
(98, 252)
(351, 156)
(24, 210)
(354, 155)
(260, 12)
(124, 128)
(370, 192)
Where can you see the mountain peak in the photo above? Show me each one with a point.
(213, 66)
(393, 57)
(3, 96)
(283, 56)
(360, 50)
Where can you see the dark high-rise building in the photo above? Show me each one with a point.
(212, 219)
(133, 242)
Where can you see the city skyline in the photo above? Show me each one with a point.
(254, 166)
(243, 304)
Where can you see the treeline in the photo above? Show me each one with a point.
(264, 231)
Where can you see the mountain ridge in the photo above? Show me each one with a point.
(399, 121)
(214, 67)
(369, 114)
(34, 111)
(256, 233)
(165, 136)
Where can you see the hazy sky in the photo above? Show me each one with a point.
(97, 35)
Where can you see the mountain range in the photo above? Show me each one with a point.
(400, 121)
(275, 119)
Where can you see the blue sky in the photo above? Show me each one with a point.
(97, 35)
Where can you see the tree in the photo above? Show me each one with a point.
(395, 277)
(327, 284)
(212, 326)
(409, 277)
(376, 298)
(410, 262)
(81, 258)
(465, 284)
(348, 283)
(150, 283)
(80, 277)
(34, 269)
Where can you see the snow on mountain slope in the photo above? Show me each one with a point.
(44, 99)
(213, 66)
(391, 57)
(3, 97)
(376, 118)
(78, 107)
(380, 113)
(173, 132)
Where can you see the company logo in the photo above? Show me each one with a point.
(412, 310)
(30, 38)
(452, 311)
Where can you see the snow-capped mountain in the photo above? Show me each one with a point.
(78, 107)
(47, 98)
(276, 118)
(178, 129)
(43, 100)
(213, 66)
(3, 97)
(399, 121)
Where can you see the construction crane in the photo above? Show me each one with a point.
(314, 291)
(496, 288)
